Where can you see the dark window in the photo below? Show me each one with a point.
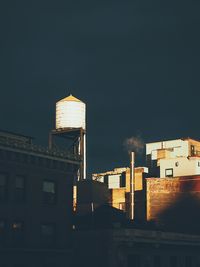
(33, 159)
(8, 155)
(169, 172)
(134, 260)
(48, 237)
(17, 232)
(51, 265)
(157, 261)
(54, 164)
(19, 188)
(192, 150)
(2, 231)
(188, 261)
(123, 180)
(49, 192)
(3, 186)
(24, 157)
(173, 261)
(106, 179)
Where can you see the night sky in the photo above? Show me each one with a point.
(135, 64)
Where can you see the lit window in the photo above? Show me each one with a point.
(49, 192)
(3, 186)
(122, 206)
(17, 231)
(19, 188)
(169, 172)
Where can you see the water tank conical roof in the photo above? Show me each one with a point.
(70, 98)
(70, 113)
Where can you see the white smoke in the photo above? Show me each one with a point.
(134, 143)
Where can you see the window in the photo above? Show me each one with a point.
(106, 179)
(114, 181)
(17, 232)
(134, 260)
(173, 261)
(157, 261)
(48, 237)
(169, 172)
(33, 159)
(19, 188)
(192, 150)
(3, 186)
(123, 180)
(122, 206)
(188, 261)
(2, 231)
(49, 192)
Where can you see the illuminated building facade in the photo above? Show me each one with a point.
(174, 204)
(35, 203)
(118, 182)
(173, 158)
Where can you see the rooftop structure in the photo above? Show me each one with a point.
(173, 157)
(70, 113)
(70, 126)
(118, 182)
(12, 141)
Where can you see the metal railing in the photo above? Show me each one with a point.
(12, 143)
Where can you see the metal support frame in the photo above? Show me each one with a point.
(77, 137)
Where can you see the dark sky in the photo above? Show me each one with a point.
(134, 63)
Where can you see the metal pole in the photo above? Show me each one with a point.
(50, 141)
(85, 160)
(132, 185)
(81, 154)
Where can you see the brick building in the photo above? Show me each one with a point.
(174, 203)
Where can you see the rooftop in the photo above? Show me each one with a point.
(21, 143)
(177, 139)
(70, 98)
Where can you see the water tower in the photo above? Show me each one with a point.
(71, 125)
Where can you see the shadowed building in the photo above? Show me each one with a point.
(135, 248)
(35, 203)
(89, 195)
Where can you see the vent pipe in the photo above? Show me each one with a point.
(132, 184)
